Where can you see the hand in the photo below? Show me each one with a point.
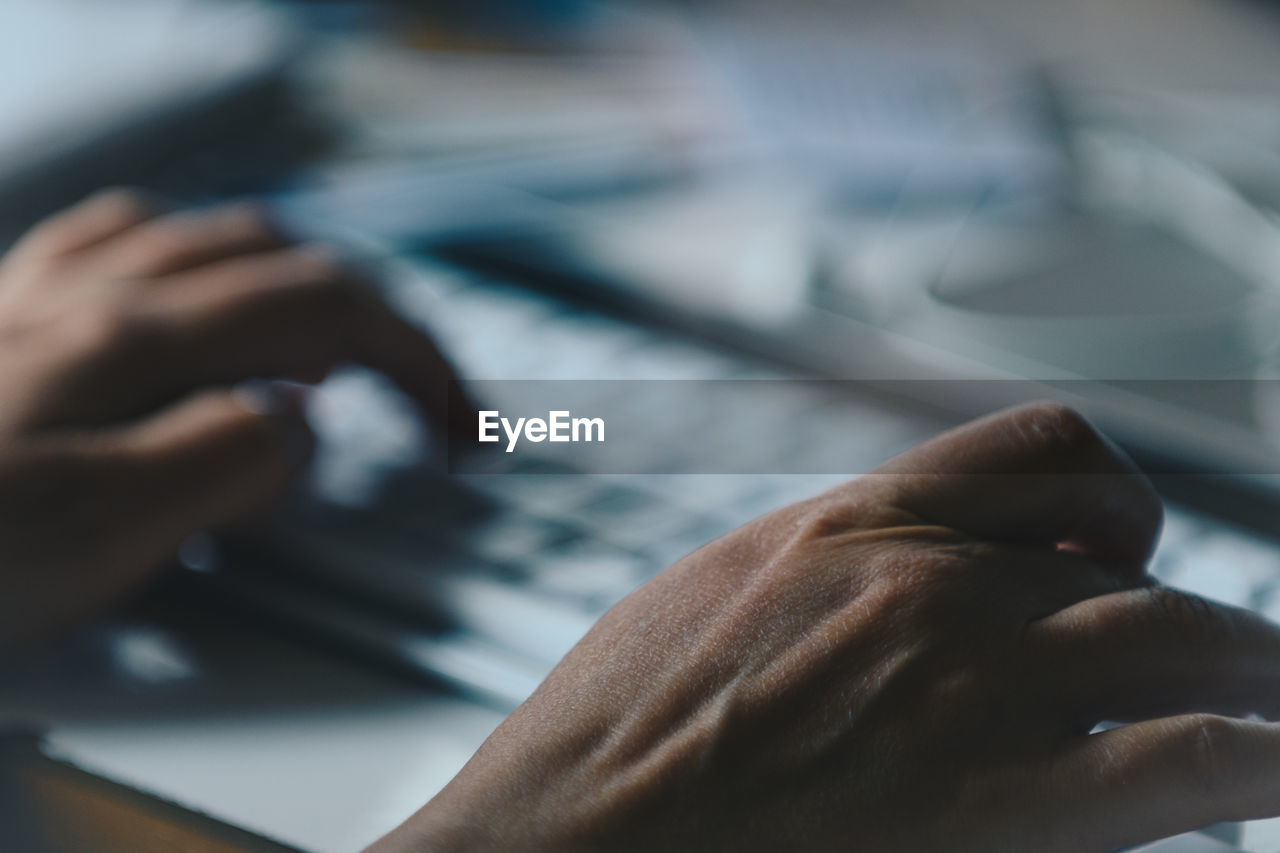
(123, 335)
(912, 661)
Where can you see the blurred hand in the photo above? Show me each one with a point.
(123, 335)
(909, 662)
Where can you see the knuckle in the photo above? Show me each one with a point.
(913, 578)
(112, 209)
(938, 582)
(1209, 744)
(843, 510)
(163, 246)
(109, 331)
(816, 520)
(93, 332)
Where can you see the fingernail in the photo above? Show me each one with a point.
(270, 396)
(285, 404)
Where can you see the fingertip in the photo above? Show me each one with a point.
(216, 457)
(269, 396)
(282, 406)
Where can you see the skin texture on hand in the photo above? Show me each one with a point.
(124, 336)
(912, 661)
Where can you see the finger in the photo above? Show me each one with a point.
(1038, 474)
(1163, 777)
(412, 360)
(297, 313)
(184, 240)
(102, 216)
(123, 500)
(1041, 583)
(968, 576)
(1159, 651)
(209, 460)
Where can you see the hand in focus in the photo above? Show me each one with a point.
(123, 337)
(912, 661)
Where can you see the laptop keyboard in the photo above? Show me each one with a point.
(504, 571)
(528, 556)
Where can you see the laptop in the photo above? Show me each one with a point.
(483, 576)
(481, 579)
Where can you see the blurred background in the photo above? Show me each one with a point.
(855, 222)
(1077, 191)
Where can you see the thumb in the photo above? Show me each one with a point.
(112, 505)
(212, 459)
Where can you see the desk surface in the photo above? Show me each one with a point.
(51, 807)
(250, 728)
